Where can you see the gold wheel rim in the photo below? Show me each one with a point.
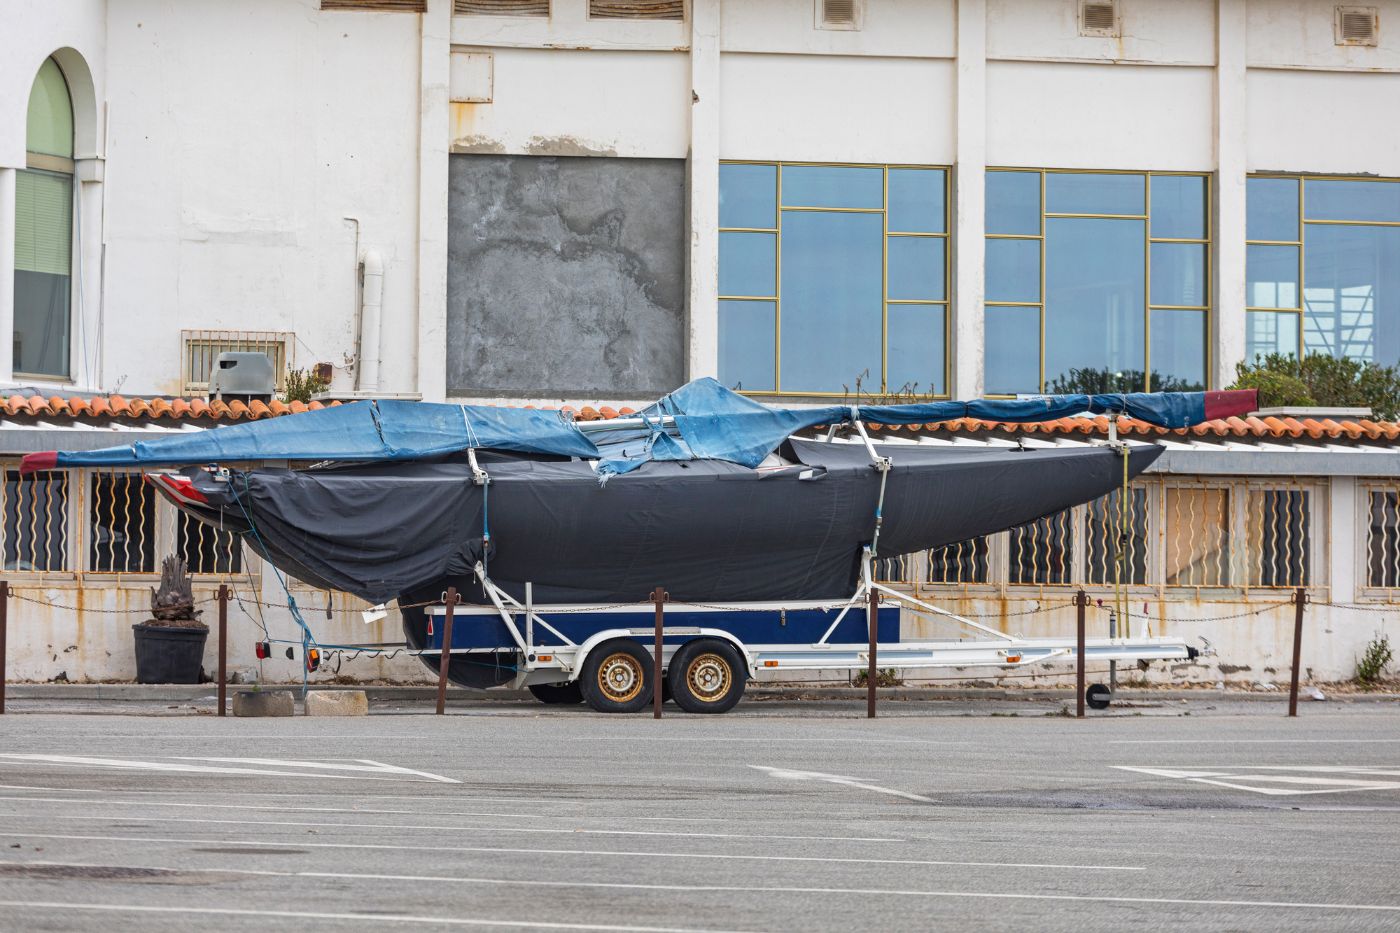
(709, 677)
(620, 677)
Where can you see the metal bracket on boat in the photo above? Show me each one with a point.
(479, 476)
(880, 463)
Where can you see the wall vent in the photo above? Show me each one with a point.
(1098, 18)
(636, 9)
(1357, 25)
(377, 6)
(839, 14)
(501, 7)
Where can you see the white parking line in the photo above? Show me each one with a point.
(1310, 783)
(88, 818)
(778, 889)
(703, 856)
(791, 775)
(373, 920)
(363, 765)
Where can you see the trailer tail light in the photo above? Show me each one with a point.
(263, 650)
(313, 658)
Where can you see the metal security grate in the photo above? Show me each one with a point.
(200, 348)
(1383, 539)
(1277, 537)
(1043, 552)
(964, 562)
(1357, 25)
(121, 524)
(35, 527)
(636, 9)
(1098, 18)
(895, 569)
(1197, 547)
(501, 7)
(1106, 543)
(207, 549)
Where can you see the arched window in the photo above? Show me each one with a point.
(44, 231)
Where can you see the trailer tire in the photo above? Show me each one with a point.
(616, 677)
(557, 694)
(707, 676)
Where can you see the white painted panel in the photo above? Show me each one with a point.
(822, 108)
(1181, 32)
(470, 77)
(1323, 122)
(913, 28)
(1064, 115)
(558, 102)
(1299, 33)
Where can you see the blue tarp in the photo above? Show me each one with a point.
(701, 420)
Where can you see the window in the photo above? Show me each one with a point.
(206, 548)
(964, 562)
(202, 347)
(895, 569)
(1383, 538)
(35, 521)
(1096, 282)
(43, 282)
(1043, 551)
(1323, 267)
(1116, 541)
(1277, 532)
(122, 528)
(833, 277)
(1197, 547)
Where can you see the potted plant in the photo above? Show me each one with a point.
(170, 645)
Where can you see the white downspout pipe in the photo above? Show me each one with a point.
(371, 313)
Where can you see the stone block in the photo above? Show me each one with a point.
(263, 703)
(337, 703)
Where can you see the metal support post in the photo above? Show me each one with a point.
(4, 626)
(872, 674)
(1081, 601)
(445, 659)
(223, 649)
(659, 597)
(1300, 599)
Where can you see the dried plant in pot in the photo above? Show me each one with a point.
(170, 645)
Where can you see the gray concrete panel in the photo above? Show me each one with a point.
(566, 276)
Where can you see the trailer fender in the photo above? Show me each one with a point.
(690, 634)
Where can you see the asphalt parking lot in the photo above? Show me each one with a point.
(783, 818)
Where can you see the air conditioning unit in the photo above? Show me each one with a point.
(243, 376)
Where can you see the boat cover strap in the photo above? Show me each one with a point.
(701, 420)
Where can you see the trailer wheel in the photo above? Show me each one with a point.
(707, 676)
(557, 694)
(1098, 696)
(616, 677)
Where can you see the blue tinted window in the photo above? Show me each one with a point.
(1012, 357)
(747, 264)
(748, 196)
(1094, 313)
(1013, 203)
(1179, 207)
(833, 186)
(1268, 332)
(1013, 270)
(1178, 350)
(916, 268)
(1328, 199)
(1352, 277)
(1271, 276)
(1271, 209)
(833, 298)
(916, 348)
(1179, 274)
(1084, 193)
(747, 334)
(916, 201)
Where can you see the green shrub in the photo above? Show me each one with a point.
(1320, 379)
(302, 385)
(1374, 660)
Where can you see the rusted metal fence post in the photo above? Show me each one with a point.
(445, 659)
(658, 596)
(872, 673)
(4, 627)
(1300, 599)
(223, 648)
(1081, 601)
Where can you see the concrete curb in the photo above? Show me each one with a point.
(389, 693)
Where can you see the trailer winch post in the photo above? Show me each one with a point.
(445, 659)
(871, 674)
(659, 597)
(1300, 599)
(1081, 601)
(4, 626)
(223, 648)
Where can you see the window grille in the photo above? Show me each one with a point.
(1278, 537)
(1106, 545)
(895, 569)
(501, 7)
(200, 348)
(206, 548)
(1383, 538)
(1043, 552)
(964, 562)
(1197, 547)
(35, 521)
(636, 9)
(122, 526)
